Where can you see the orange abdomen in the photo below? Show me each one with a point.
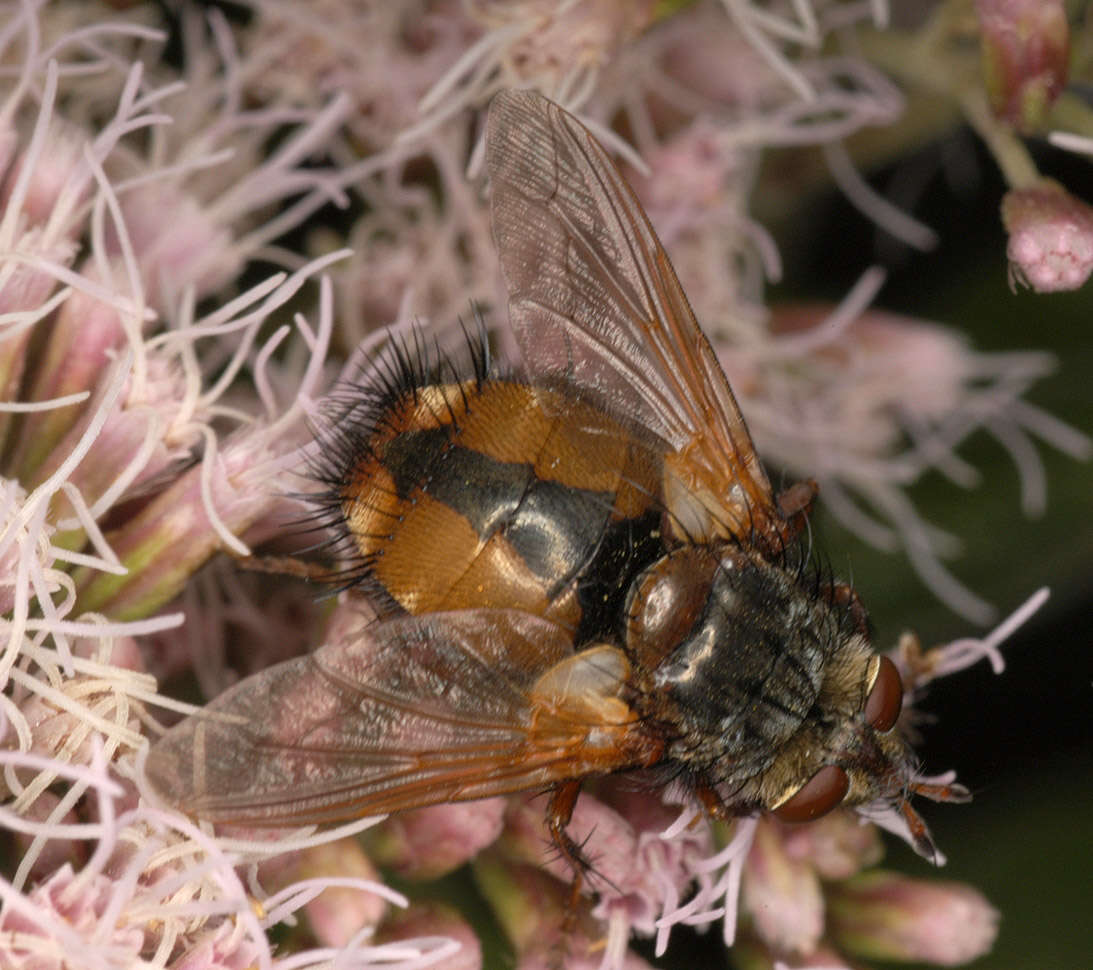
(498, 494)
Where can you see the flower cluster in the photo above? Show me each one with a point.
(173, 303)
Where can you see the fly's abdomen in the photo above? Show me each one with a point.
(497, 494)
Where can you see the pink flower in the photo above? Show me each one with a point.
(385, 57)
(868, 402)
(44, 930)
(1050, 231)
(638, 875)
(426, 919)
(429, 842)
(888, 916)
(156, 386)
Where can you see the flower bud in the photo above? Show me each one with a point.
(173, 535)
(749, 953)
(1050, 237)
(782, 895)
(428, 842)
(837, 845)
(887, 916)
(431, 919)
(80, 347)
(536, 911)
(338, 913)
(1026, 45)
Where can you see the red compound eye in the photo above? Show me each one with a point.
(885, 697)
(821, 793)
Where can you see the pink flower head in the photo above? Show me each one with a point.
(43, 930)
(429, 842)
(638, 874)
(867, 402)
(551, 43)
(1050, 231)
(415, 259)
(888, 916)
(156, 386)
(383, 56)
(429, 919)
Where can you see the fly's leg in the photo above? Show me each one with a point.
(712, 802)
(288, 566)
(843, 596)
(795, 504)
(559, 812)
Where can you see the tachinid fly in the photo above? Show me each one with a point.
(580, 567)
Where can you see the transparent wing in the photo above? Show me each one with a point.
(595, 301)
(420, 710)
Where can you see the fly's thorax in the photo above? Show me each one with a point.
(768, 682)
(750, 670)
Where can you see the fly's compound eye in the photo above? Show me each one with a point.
(885, 699)
(816, 797)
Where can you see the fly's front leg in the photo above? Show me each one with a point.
(559, 813)
(843, 596)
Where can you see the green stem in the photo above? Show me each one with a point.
(1008, 150)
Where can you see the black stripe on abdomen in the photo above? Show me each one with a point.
(556, 529)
